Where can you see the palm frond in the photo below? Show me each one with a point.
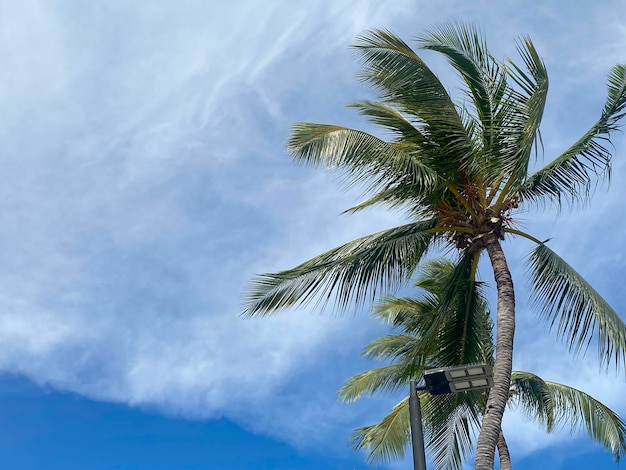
(556, 404)
(364, 159)
(450, 322)
(355, 271)
(583, 411)
(461, 336)
(404, 80)
(532, 395)
(392, 309)
(387, 440)
(407, 314)
(387, 378)
(413, 202)
(535, 92)
(434, 275)
(393, 120)
(411, 349)
(465, 48)
(450, 426)
(571, 175)
(579, 312)
(519, 117)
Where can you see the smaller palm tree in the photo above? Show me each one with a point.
(432, 335)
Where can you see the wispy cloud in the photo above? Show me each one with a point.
(144, 182)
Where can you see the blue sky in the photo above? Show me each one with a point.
(145, 182)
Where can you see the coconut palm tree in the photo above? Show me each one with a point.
(461, 172)
(427, 337)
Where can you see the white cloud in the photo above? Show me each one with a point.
(145, 182)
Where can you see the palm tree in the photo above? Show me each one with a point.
(460, 173)
(428, 337)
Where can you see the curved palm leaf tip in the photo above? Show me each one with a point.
(554, 404)
(451, 421)
(460, 173)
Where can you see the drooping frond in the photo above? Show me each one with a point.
(531, 394)
(388, 379)
(410, 349)
(363, 158)
(355, 271)
(450, 323)
(571, 176)
(406, 313)
(555, 404)
(434, 276)
(450, 425)
(578, 311)
(400, 196)
(464, 336)
(405, 81)
(387, 440)
(580, 410)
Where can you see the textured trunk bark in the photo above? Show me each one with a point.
(505, 331)
(503, 453)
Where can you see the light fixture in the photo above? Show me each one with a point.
(438, 382)
(457, 379)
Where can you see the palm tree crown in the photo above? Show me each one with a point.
(460, 173)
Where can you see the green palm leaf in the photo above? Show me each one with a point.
(568, 301)
(533, 396)
(401, 345)
(384, 115)
(406, 313)
(527, 105)
(401, 197)
(363, 157)
(387, 378)
(555, 404)
(451, 321)
(461, 303)
(356, 271)
(569, 176)
(466, 50)
(403, 79)
(387, 440)
(450, 426)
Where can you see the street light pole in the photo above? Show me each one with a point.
(439, 382)
(417, 433)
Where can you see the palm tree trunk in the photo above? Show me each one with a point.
(503, 453)
(505, 332)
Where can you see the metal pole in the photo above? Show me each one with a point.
(417, 434)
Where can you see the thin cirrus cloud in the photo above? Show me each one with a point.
(128, 228)
(145, 182)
